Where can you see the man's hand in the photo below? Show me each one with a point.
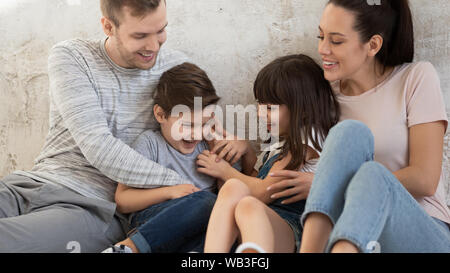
(295, 184)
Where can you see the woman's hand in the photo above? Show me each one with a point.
(179, 191)
(230, 150)
(295, 184)
(209, 165)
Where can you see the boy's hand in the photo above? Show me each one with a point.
(230, 150)
(208, 165)
(179, 191)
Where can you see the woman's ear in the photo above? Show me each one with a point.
(159, 113)
(375, 45)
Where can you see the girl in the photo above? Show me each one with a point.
(244, 208)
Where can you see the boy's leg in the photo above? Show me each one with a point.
(176, 223)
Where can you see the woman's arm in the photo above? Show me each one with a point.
(130, 200)
(426, 144)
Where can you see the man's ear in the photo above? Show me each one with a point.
(159, 113)
(108, 26)
(375, 45)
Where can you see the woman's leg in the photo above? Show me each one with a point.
(379, 212)
(348, 145)
(222, 231)
(261, 225)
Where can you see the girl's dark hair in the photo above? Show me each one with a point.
(181, 85)
(298, 82)
(392, 20)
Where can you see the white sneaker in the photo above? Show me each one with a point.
(118, 249)
(249, 245)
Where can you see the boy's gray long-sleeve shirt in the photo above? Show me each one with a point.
(97, 110)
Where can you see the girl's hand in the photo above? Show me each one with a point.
(230, 150)
(295, 184)
(209, 165)
(179, 191)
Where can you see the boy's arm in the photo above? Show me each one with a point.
(130, 200)
(72, 90)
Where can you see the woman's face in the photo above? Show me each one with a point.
(343, 54)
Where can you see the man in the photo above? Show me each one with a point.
(100, 95)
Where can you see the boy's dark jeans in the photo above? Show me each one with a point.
(177, 225)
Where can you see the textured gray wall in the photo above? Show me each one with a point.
(231, 39)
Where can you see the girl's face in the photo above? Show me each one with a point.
(343, 54)
(275, 116)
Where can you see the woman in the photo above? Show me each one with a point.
(378, 183)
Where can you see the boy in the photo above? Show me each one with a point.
(170, 217)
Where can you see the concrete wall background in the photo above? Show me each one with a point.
(231, 39)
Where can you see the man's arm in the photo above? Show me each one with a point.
(73, 92)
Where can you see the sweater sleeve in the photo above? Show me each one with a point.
(74, 93)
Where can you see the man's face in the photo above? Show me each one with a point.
(137, 41)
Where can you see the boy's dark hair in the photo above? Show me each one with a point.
(298, 82)
(392, 20)
(181, 84)
(112, 9)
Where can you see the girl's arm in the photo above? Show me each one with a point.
(235, 149)
(130, 200)
(223, 170)
(426, 142)
(249, 161)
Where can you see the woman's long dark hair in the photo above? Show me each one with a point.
(392, 20)
(298, 82)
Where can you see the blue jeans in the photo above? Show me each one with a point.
(177, 225)
(366, 203)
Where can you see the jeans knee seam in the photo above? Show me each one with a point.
(316, 209)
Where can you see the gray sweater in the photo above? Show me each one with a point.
(97, 110)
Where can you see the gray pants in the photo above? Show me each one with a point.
(40, 217)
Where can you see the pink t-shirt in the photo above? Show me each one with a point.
(411, 95)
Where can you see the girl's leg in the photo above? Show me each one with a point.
(381, 215)
(348, 145)
(261, 225)
(222, 231)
